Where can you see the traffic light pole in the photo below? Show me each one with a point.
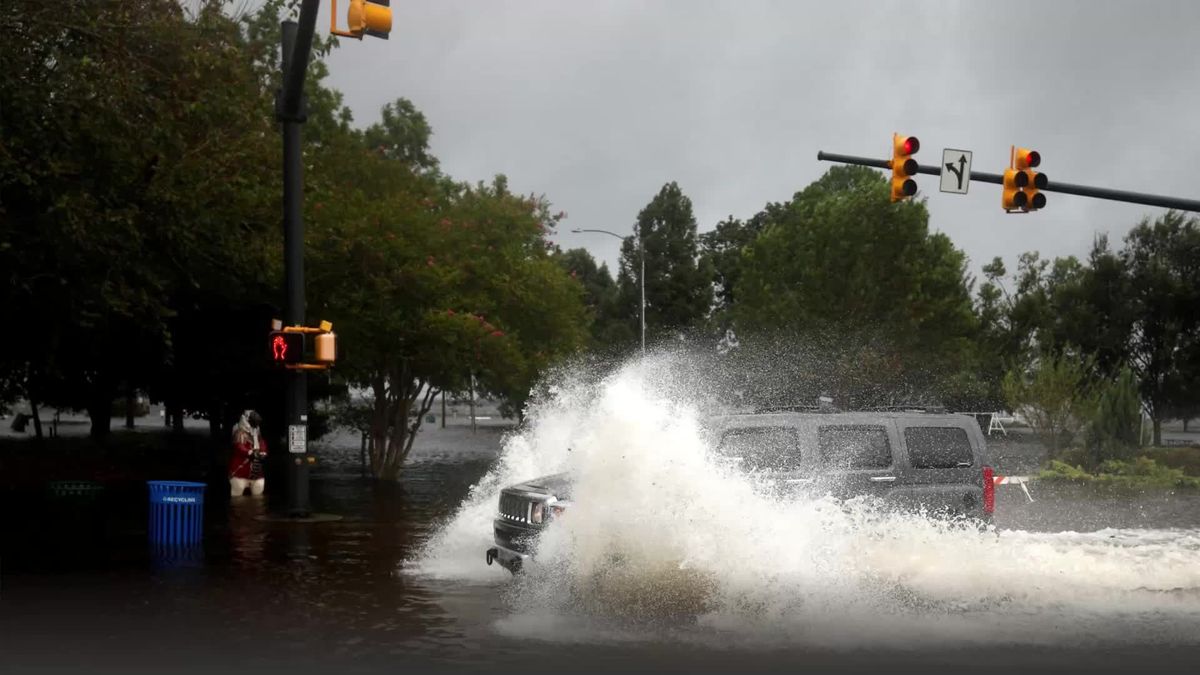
(291, 113)
(1052, 186)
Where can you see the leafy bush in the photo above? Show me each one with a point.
(1141, 472)
(1053, 396)
(1186, 459)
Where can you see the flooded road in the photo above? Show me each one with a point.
(1072, 581)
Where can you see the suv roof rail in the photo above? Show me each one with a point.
(932, 409)
(796, 408)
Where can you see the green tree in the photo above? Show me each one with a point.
(859, 285)
(678, 283)
(608, 331)
(431, 284)
(1115, 427)
(1163, 262)
(135, 150)
(721, 250)
(402, 134)
(1054, 397)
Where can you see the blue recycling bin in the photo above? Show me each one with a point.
(176, 512)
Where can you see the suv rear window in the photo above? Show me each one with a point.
(938, 447)
(763, 448)
(854, 446)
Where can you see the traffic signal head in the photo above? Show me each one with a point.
(1014, 196)
(370, 17)
(904, 166)
(325, 347)
(1027, 159)
(286, 348)
(1022, 184)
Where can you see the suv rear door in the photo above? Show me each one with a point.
(944, 464)
(857, 457)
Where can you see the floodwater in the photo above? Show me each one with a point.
(716, 576)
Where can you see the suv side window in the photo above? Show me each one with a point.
(854, 446)
(938, 447)
(763, 448)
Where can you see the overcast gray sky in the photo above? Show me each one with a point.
(597, 104)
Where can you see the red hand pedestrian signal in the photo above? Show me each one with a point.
(286, 348)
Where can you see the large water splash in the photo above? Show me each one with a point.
(660, 533)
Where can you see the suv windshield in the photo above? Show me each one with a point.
(762, 448)
(854, 447)
(938, 447)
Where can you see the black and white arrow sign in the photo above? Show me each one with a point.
(956, 171)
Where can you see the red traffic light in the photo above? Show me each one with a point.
(1025, 158)
(903, 146)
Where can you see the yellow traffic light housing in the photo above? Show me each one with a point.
(1028, 160)
(904, 166)
(325, 348)
(1023, 185)
(364, 17)
(1014, 196)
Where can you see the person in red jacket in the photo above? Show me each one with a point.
(249, 451)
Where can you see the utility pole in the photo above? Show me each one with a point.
(642, 278)
(291, 112)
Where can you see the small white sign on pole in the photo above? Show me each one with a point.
(297, 439)
(956, 171)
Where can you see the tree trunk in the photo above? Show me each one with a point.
(362, 455)
(1185, 423)
(1157, 431)
(175, 413)
(37, 417)
(100, 413)
(130, 401)
(214, 422)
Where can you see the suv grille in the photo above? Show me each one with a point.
(514, 508)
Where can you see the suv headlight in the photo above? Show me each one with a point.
(544, 512)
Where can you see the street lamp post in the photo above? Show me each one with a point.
(642, 278)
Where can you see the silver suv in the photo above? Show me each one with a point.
(935, 463)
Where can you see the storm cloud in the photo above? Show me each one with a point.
(596, 105)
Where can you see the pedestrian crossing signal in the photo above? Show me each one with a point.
(286, 348)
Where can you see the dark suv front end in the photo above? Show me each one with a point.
(523, 512)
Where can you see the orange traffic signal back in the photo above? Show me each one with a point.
(364, 17)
